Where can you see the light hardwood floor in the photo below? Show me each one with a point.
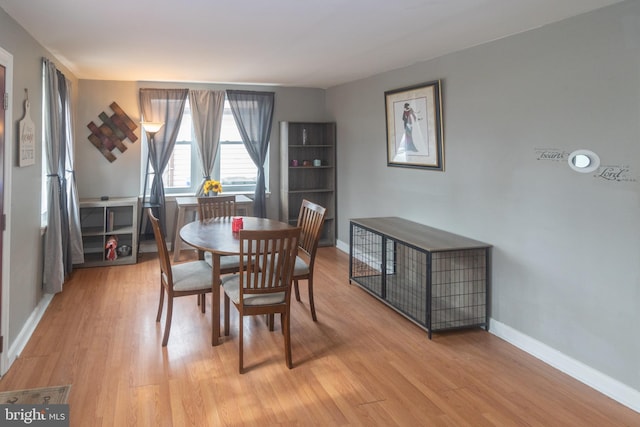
(360, 364)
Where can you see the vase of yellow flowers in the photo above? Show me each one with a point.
(212, 187)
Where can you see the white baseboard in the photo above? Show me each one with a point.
(27, 330)
(595, 379)
(344, 247)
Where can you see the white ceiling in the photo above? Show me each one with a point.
(305, 43)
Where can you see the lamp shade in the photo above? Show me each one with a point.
(152, 127)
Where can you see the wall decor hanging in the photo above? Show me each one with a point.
(26, 137)
(414, 126)
(113, 131)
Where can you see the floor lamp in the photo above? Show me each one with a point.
(151, 128)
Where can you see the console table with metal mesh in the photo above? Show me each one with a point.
(438, 280)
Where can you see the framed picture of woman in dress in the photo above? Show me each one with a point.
(414, 126)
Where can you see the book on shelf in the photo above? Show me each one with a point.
(110, 219)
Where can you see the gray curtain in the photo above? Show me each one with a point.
(73, 202)
(167, 106)
(60, 242)
(207, 107)
(253, 114)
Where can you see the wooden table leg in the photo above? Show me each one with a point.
(177, 242)
(215, 299)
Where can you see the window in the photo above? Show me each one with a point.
(233, 168)
(181, 173)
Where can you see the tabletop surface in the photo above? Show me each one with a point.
(419, 235)
(215, 235)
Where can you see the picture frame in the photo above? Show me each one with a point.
(414, 126)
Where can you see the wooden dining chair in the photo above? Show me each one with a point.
(223, 207)
(188, 278)
(264, 287)
(216, 207)
(310, 220)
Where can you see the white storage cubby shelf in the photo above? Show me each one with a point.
(101, 219)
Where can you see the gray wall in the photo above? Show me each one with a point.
(566, 245)
(25, 250)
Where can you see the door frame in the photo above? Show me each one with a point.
(6, 60)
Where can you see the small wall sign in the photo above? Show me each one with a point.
(26, 139)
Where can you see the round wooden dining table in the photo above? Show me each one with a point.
(215, 236)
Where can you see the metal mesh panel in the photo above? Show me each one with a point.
(407, 284)
(459, 289)
(366, 259)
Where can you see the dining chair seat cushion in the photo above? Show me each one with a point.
(190, 276)
(231, 285)
(300, 268)
(226, 261)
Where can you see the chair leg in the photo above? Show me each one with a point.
(312, 306)
(167, 324)
(159, 315)
(287, 339)
(203, 305)
(282, 323)
(226, 315)
(296, 289)
(270, 321)
(240, 342)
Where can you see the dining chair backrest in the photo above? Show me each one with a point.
(216, 207)
(310, 220)
(219, 207)
(163, 253)
(271, 256)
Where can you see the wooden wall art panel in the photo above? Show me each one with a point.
(113, 131)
